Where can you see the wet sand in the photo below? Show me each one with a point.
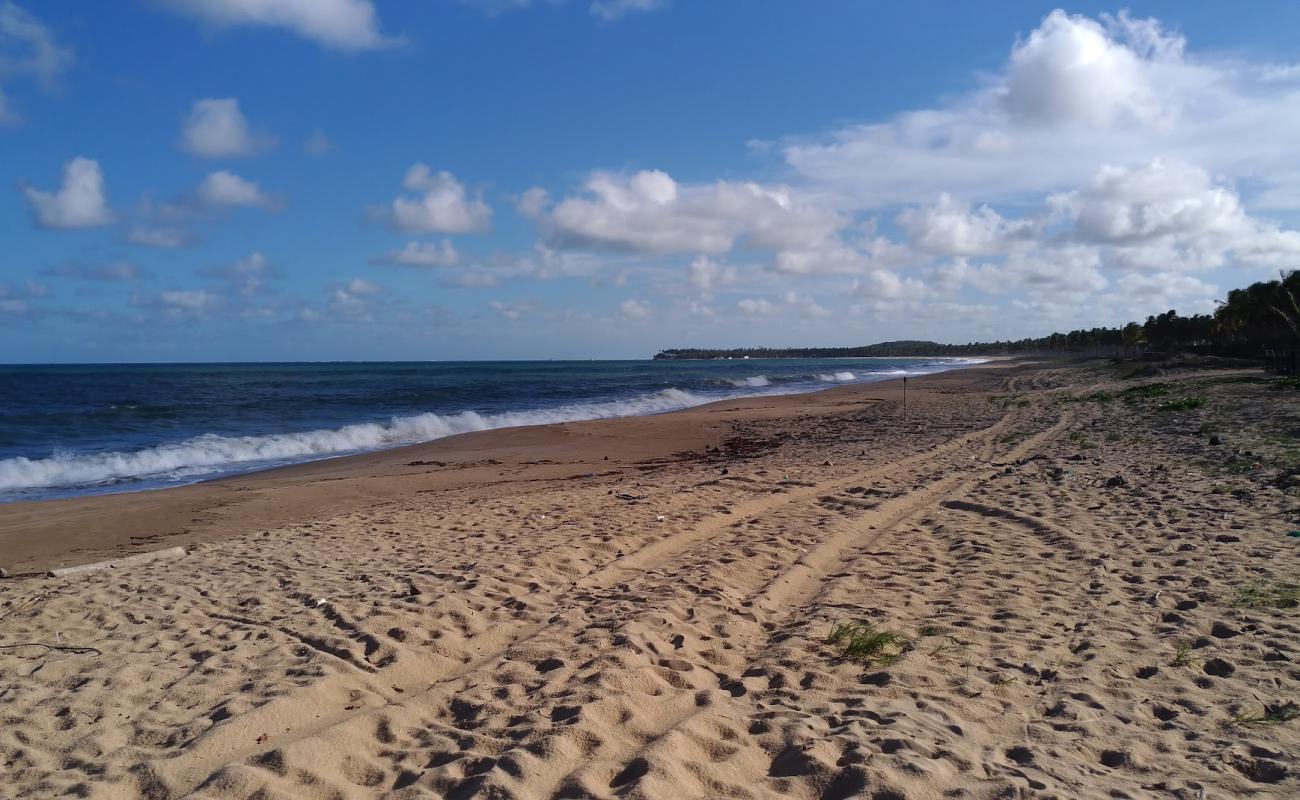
(1088, 600)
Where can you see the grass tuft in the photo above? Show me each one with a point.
(1263, 594)
(1145, 392)
(1271, 714)
(1183, 655)
(860, 642)
(1183, 404)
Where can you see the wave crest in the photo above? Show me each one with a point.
(210, 453)
(754, 382)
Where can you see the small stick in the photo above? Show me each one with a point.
(64, 648)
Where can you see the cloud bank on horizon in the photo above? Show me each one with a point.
(1106, 170)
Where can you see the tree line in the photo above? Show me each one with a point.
(1260, 321)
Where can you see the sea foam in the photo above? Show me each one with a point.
(210, 453)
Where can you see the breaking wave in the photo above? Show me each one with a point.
(831, 377)
(210, 453)
(750, 383)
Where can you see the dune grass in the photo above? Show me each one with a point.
(1269, 715)
(859, 641)
(1268, 594)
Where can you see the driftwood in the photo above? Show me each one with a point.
(142, 558)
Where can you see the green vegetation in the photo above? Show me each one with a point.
(858, 641)
(1271, 714)
(1183, 655)
(1182, 404)
(1265, 594)
(1146, 392)
(1263, 316)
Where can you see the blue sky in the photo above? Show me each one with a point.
(444, 179)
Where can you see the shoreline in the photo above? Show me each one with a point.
(39, 534)
(1044, 579)
(400, 428)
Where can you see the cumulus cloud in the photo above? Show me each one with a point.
(422, 254)
(441, 205)
(1074, 94)
(1171, 215)
(349, 25)
(216, 128)
(80, 202)
(224, 189)
(649, 212)
(950, 228)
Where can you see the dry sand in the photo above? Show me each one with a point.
(640, 608)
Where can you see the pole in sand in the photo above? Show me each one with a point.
(904, 397)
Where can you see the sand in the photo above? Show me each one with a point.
(1091, 595)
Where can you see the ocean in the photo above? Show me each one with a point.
(84, 429)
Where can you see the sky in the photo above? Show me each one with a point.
(273, 180)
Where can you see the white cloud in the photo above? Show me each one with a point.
(187, 301)
(422, 254)
(350, 25)
(634, 309)
(224, 189)
(349, 305)
(246, 276)
(883, 284)
(533, 202)
(604, 10)
(158, 237)
(950, 228)
(806, 305)
(754, 306)
(1076, 93)
(363, 286)
(442, 205)
(216, 128)
(1170, 215)
(1167, 287)
(649, 212)
(80, 202)
(1075, 70)
(706, 274)
(115, 271)
(318, 144)
(510, 311)
(837, 257)
(610, 10)
(28, 49)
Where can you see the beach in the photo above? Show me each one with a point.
(1037, 580)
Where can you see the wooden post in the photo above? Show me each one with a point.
(904, 397)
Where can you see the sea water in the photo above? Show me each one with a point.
(78, 429)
